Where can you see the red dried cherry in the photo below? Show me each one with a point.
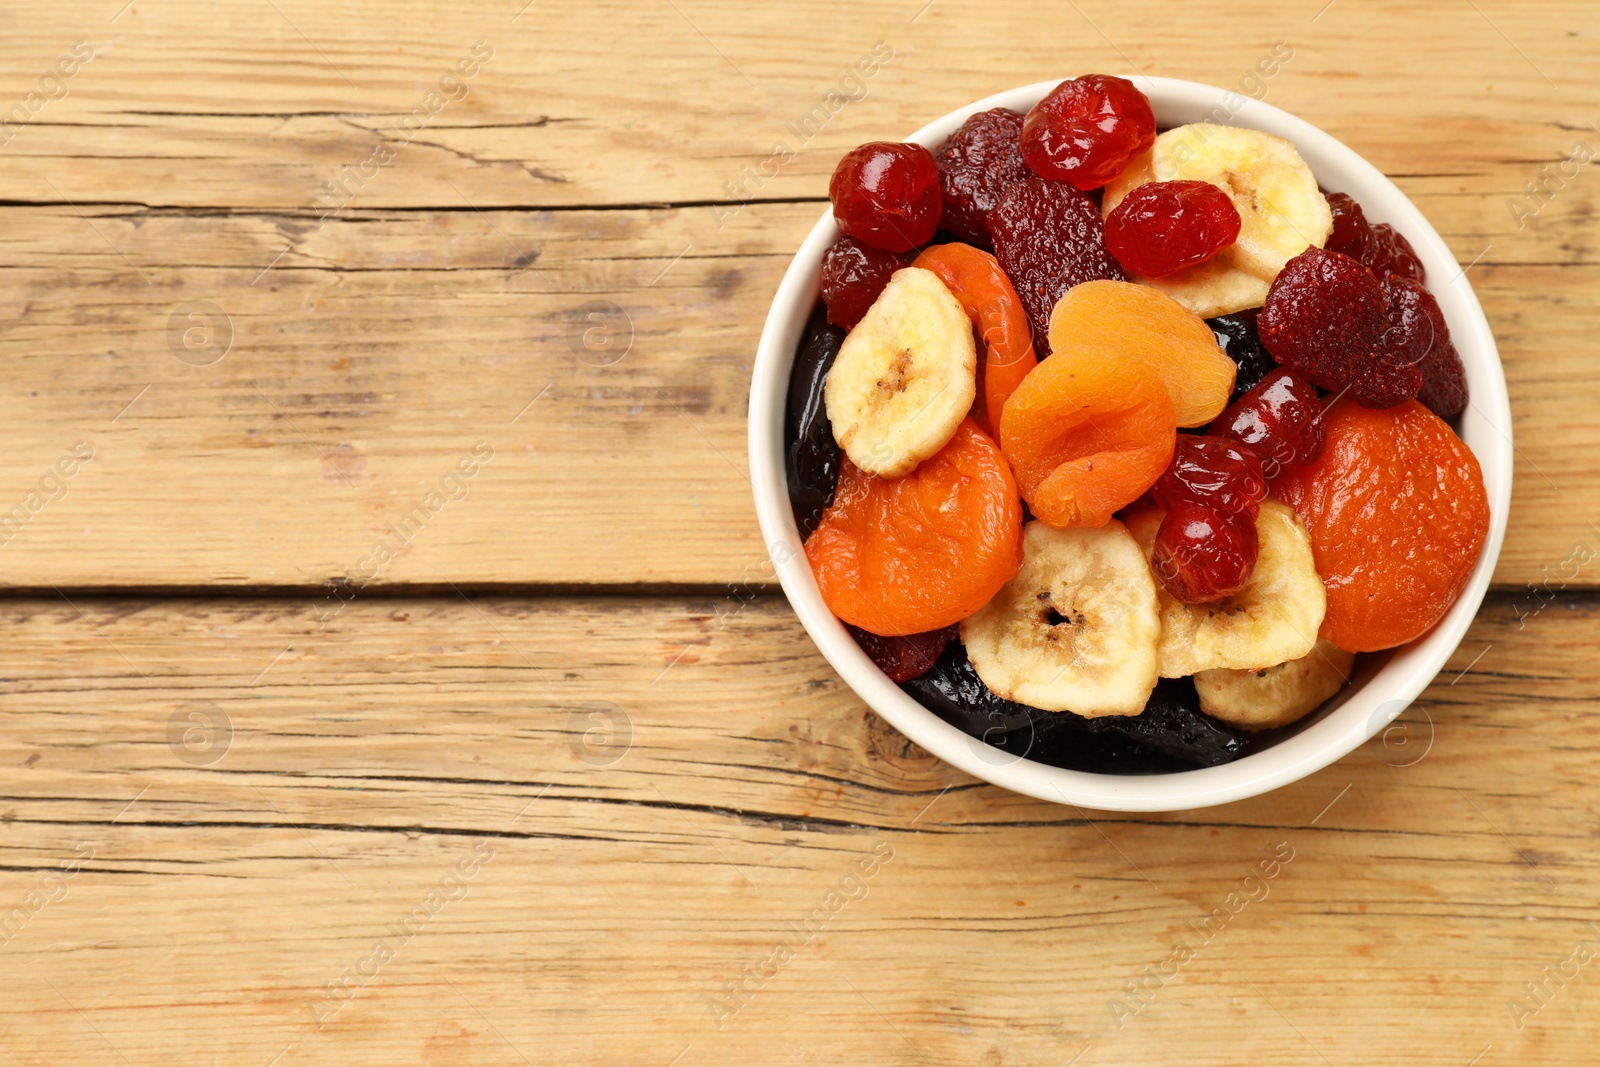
(887, 195)
(1213, 471)
(1162, 227)
(977, 164)
(1444, 381)
(1202, 554)
(853, 274)
(904, 658)
(1325, 318)
(1048, 237)
(1352, 233)
(1393, 254)
(1086, 130)
(1280, 420)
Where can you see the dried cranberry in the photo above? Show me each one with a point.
(1325, 318)
(1086, 130)
(1214, 471)
(887, 195)
(1280, 420)
(1444, 381)
(1238, 337)
(1048, 237)
(1162, 227)
(853, 274)
(904, 658)
(1202, 554)
(1352, 233)
(977, 164)
(1393, 254)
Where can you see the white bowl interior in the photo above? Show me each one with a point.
(1351, 718)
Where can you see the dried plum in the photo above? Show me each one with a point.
(1238, 337)
(811, 456)
(977, 164)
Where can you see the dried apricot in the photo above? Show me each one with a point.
(1397, 513)
(976, 280)
(1137, 321)
(1087, 432)
(924, 551)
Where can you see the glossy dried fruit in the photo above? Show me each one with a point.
(1325, 318)
(1048, 237)
(1397, 514)
(1393, 254)
(904, 658)
(924, 551)
(887, 194)
(811, 456)
(1087, 432)
(1086, 129)
(1213, 471)
(976, 280)
(977, 164)
(1280, 420)
(1137, 321)
(1352, 233)
(1163, 227)
(1241, 342)
(1444, 381)
(853, 274)
(1203, 554)
(1419, 335)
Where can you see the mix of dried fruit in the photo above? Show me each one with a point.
(1113, 445)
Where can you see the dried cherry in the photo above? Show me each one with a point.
(1203, 554)
(1352, 233)
(977, 164)
(1213, 471)
(904, 658)
(1162, 227)
(1048, 237)
(887, 195)
(1086, 129)
(1393, 254)
(1280, 420)
(853, 274)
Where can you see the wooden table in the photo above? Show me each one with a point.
(397, 677)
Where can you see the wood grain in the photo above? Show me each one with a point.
(621, 883)
(388, 337)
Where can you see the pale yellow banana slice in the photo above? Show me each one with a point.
(1275, 696)
(1281, 210)
(904, 378)
(1272, 620)
(1076, 629)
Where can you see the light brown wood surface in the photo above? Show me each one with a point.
(561, 683)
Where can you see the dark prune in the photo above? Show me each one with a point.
(1237, 336)
(1171, 735)
(1048, 237)
(1086, 129)
(887, 195)
(853, 274)
(811, 456)
(1162, 227)
(977, 164)
(904, 658)
(1325, 318)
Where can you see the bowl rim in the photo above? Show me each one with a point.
(1354, 716)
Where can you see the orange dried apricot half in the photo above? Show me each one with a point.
(1087, 432)
(924, 551)
(1138, 321)
(1397, 513)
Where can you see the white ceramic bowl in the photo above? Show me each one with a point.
(1385, 684)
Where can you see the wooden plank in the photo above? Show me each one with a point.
(365, 358)
(595, 896)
